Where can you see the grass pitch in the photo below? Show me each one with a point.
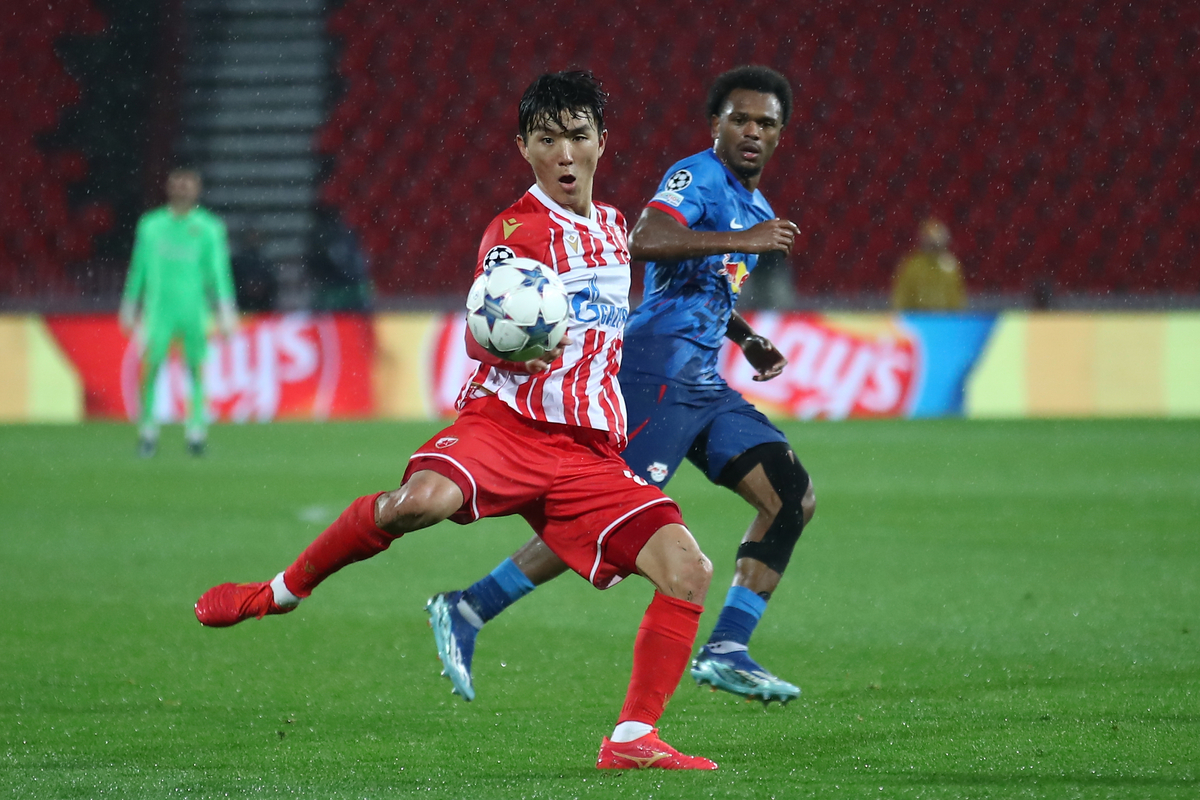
(979, 610)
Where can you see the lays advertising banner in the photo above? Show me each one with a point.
(868, 368)
(412, 365)
(838, 366)
(293, 366)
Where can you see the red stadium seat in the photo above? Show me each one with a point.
(1003, 118)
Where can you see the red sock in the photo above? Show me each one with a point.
(352, 537)
(660, 655)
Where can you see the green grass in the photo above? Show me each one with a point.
(979, 610)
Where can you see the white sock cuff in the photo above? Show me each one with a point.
(628, 731)
(469, 614)
(283, 596)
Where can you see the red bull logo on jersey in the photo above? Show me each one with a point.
(736, 272)
(871, 367)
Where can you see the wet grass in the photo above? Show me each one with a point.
(980, 610)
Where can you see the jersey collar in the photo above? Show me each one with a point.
(730, 177)
(545, 200)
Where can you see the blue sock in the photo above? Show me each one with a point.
(740, 615)
(498, 590)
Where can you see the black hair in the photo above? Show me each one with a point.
(576, 92)
(754, 78)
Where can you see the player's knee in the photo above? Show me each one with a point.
(687, 576)
(691, 577)
(417, 504)
(808, 505)
(795, 507)
(674, 563)
(697, 571)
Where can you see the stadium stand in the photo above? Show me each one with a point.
(1057, 139)
(40, 230)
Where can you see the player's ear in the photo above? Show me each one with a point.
(521, 146)
(603, 141)
(714, 124)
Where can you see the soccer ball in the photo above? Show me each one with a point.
(517, 309)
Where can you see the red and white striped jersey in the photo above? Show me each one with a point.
(592, 258)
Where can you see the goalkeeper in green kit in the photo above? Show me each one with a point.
(179, 272)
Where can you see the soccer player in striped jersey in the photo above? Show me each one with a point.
(702, 234)
(542, 439)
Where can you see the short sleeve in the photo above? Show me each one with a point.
(681, 195)
(514, 236)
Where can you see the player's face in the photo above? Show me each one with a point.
(747, 131)
(183, 188)
(564, 154)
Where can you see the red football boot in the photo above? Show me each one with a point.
(647, 752)
(230, 603)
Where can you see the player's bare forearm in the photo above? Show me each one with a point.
(658, 236)
(738, 330)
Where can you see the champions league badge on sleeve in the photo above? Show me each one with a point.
(496, 255)
(679, 181)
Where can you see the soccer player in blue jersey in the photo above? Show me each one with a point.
(701, 235)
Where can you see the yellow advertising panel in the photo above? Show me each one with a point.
(40, 384)
(1077, 364)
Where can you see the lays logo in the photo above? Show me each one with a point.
(837, 367)
(736, 272)
(273, 367)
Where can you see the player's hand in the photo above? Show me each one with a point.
(542, 363)
(774, 234)
(764, 357)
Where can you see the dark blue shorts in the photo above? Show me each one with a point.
(708, 425)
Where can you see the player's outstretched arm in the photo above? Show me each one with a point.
(658, 236)
(758, 350)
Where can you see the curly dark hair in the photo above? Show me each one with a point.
(576, 92)
(755, 78)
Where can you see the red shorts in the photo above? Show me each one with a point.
(568, 483)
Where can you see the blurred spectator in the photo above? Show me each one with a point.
(929, 278)
(337, 265)
(253, 278)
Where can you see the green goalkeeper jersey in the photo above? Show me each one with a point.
(180, 267)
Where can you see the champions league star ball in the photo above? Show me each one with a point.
(517, 309)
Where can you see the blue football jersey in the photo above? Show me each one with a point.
(678, 329)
